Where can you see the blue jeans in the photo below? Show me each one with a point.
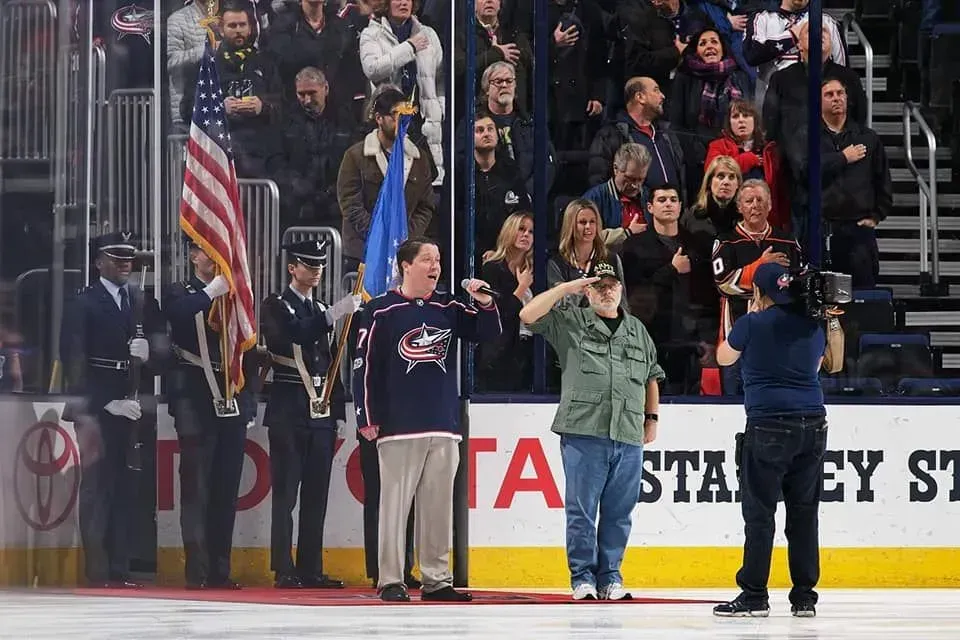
(601, 475)
(782, 456)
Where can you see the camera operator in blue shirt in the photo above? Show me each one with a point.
(781, 348)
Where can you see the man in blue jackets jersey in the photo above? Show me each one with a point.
(407, 400)
(302, 428)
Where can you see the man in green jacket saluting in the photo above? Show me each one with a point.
(609, 399)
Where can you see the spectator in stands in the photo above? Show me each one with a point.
(356, 16)
(252, 96)
(362, 171)
(772, 41)
(707, 82)
(315, 139)
(581, 247)
(397, 49)
(743, 139)
(621, 199)
(786, 104)
(652, 37)
(496, 41)
(187, 34)
(730, 18)
(505, 364)
(579, 74)
(657, 267)
(932, 13)
(714, 214)
(311, 34)
(498, 186)
(514, 126)
(436, 13)
(857, 189)
(640, 123)
(188, 30)
(736, 258)
(519, 15)
(785, 114)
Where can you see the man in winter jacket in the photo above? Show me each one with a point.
(362, 172)
(640, 123)
(857, 189)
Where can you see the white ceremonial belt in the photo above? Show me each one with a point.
(310, 383)
(221, 407)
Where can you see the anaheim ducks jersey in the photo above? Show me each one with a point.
(736, 257)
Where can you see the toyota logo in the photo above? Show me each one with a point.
(46, 479)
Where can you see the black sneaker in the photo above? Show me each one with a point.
(394, 593)
(740, 608)
(804, 610)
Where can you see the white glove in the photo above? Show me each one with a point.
(217, 287)
(129, 409)
(344, 306)
(140, 348)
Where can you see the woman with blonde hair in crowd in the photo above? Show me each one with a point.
(581, 247)
(744, 140)
(713, 213)
(506, 364)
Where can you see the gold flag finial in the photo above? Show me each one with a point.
(409, 107)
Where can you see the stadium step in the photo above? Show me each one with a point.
(895, 128)
(919, 154)
(912, 245)
(912, 223)
(912, 200)
(879, 84)
(912, 268)
(905, 175)
(945, 339)
(950, 361)
(888, 109)
(932, 319)
(880, 61)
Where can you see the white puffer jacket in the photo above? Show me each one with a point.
(383, 58)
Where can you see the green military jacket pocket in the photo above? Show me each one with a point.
(604, 376)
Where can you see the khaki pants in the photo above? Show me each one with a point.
(425, 468)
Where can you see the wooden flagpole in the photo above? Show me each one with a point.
(334, 369)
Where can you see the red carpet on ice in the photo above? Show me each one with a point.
(356, 596)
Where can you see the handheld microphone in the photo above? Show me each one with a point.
(486, 290)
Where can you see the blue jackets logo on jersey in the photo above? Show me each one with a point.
(425, 344)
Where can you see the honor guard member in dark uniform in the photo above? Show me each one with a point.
(104, 330)
(302, 430)
(211, 431)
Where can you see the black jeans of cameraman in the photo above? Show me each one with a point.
(782, 457)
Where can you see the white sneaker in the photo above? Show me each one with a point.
(614, 591)
(585, 591)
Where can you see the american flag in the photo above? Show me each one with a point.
(211, 216)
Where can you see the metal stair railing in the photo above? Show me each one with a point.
(929, 222)
(850, 25)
